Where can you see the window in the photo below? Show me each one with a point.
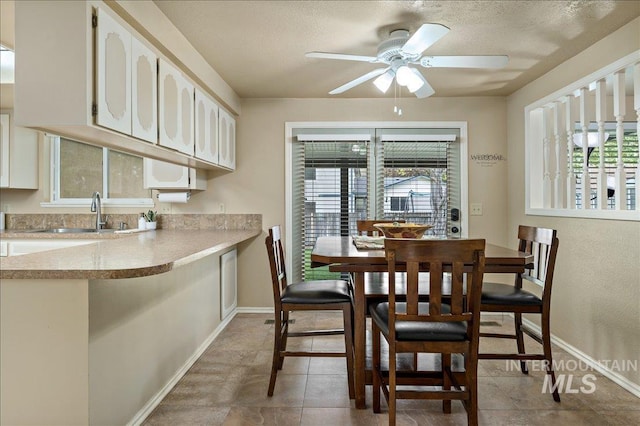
(582, 147)
(79, 169)
(398, 204)
(340, 175)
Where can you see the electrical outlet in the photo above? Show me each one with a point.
(476, 209)
(221, 208)
(5, 208)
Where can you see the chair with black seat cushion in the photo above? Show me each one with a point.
(514, 299)
(430, 327)
(321, 295)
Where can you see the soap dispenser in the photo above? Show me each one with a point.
(142, 223)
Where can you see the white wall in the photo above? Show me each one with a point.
(596, 293)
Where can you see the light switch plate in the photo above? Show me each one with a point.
(476, 209)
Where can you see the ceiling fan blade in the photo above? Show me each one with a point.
(476, 61)
(341, 56)
(425, 90)
(359, 80)
(426, 35)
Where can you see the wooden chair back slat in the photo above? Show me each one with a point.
(543, 244)
(438, 257)
(275, 251)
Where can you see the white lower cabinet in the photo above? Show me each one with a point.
(228, 283)
(161, 175)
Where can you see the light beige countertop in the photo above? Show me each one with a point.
(117, 255)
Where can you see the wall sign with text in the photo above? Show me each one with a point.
(487, 160)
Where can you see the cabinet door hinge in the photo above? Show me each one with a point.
(94, 109)
(94, 20)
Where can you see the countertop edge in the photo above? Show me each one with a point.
(92, 262)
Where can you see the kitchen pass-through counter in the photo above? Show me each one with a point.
(98, 333)
(117, 255)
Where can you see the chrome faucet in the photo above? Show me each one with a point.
(96, 206)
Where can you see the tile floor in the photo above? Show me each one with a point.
(228, 386)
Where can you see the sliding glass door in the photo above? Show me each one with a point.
(339, 176)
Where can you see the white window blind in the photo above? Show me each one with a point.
(339, 179)
(418, 181)
(330, 192)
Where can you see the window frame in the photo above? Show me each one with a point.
(534, 157)
(290, 139)
(54, 187)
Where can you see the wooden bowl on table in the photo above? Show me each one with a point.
(402, 230)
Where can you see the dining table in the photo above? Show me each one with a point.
(341, 254)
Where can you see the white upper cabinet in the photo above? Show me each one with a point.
(88, 75)
(18, 155)
(227, 143)
(175, 111)
(126, 81)
(113, 73)
(206, 131)
(4, 150)
(144, 92)
(161, 175)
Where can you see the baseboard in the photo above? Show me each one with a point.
(622, 381)
(255, 310)
(157, 398)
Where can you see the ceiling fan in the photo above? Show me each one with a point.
(400, 51)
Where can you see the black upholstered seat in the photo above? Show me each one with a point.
(507, 294)
(315, 292)
(419, 330)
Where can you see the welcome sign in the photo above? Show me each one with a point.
(487, 160)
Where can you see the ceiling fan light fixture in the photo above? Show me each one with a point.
(403, 75)
(408, 78)
(384, 81)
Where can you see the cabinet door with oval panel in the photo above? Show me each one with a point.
(175, 109)
(227, 143)
(113, 73)
(162, 175)
(126, 81)
(144, 92)
(206, 132)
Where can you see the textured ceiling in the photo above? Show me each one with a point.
(258, 47)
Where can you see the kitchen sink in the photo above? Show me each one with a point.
(71, 230)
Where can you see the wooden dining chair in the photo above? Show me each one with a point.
(513, 298)
(365, 227)
(430, 327)
(321, 295)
